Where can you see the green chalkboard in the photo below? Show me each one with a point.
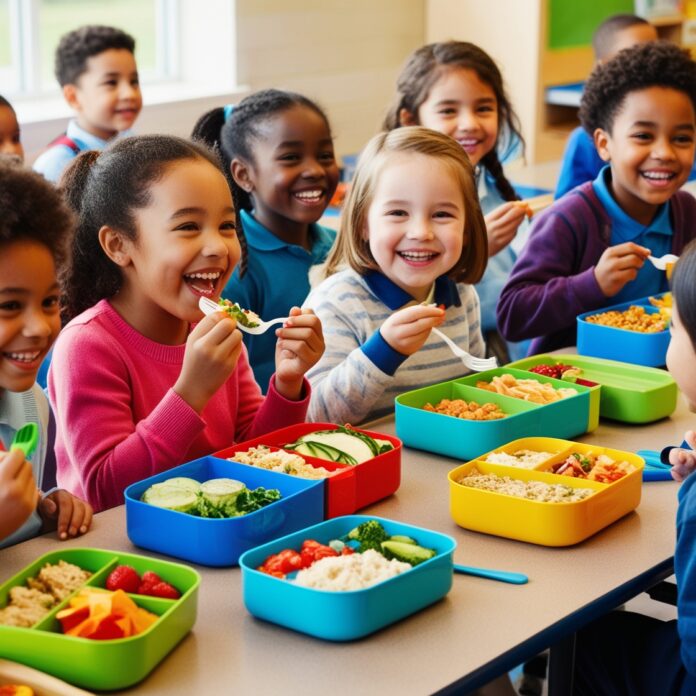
(572, 22)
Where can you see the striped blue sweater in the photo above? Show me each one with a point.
(360, 374)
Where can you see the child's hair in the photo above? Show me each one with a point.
(32, 209)
(605, 34)
(425, 67)
(78, 45)
(351, 245)
(105, 188)
(654, 64)
(232, 132)
(4, 102)
(684, 290)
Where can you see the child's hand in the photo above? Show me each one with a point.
(69, 515)
(619, 265)
(408, 329)
(683, 461)
(18, 493)
(212, 351)
(299, 347)
(502, 224)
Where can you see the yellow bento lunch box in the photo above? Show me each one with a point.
(529, 502)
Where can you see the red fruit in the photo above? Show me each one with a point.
(151, 578)
(123, 578)
(164, 590)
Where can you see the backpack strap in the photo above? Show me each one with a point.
(65, 140)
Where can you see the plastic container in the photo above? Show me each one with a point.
(103, 664)
(220, 542)
(629, 393)
(466, 439)
(342, 616)
(354, 487)
(595, 340)
(549, 524)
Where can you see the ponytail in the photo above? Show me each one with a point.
(492, 164)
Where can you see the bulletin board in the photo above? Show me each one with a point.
(571, 24)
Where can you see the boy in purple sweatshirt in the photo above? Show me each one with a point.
(589, 250)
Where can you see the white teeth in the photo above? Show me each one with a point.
(658, 175)
(308, 195)
(24, 357)
(417, 255)
(204, 276)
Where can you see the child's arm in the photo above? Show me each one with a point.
(544, 293)
(683, 461)
(66, 513)
(18, 492)
(502, 224)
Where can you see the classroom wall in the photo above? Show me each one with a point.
(508, 30)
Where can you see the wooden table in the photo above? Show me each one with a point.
(481, 629)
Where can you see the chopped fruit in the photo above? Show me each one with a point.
(149, 580)
(164, 590)
(558, 371)
(123, 578)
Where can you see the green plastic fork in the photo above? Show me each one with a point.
(26, 439)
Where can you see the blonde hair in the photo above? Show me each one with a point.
(353, 248)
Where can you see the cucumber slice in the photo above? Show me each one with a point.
(171, 498)
(403, 539)
(408, 553)
(221, 491)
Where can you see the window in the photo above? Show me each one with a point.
(30, 31)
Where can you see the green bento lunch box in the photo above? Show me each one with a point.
(102, 664)
(629, 393)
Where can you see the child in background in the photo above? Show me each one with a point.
(10, 143)
(278, 149)
(589, 249)
(136, 389)
(455, 88)
(412, 234)
(95, 67)
(581, 162)
(34, 225)
(629, 654)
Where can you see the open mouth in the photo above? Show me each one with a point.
(418, 258)
(469, 143)
(659, 179)
(310, 197)
(25, 359)
(203, 283)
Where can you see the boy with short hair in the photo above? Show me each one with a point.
(589, 249)
(95, 66)
(34, 227)
(581, 162)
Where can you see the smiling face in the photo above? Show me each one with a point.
(186, 248)
(10, 143)
(650, 149)
(465, 108)
(415, 223)
(681, 353)
(293, 174)
(107, 95)
(29, 311)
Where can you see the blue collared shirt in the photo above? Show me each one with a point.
(276, 279)
(657, 236)
(53, 161)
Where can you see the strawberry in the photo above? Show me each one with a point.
(124, 578)
(164, 590)
(149, 580)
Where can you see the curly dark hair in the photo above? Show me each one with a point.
(105, 188)
(234, 137)
(654, 64)
(604, 37)
(31, 208)
(78, 45)
(425, 67)
(684, 289)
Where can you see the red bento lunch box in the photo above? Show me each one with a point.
(354, 487)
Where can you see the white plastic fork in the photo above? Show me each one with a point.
(661, 263)
(475, 364)
(208, 307)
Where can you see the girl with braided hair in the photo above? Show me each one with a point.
(277, 152)
(455, 87)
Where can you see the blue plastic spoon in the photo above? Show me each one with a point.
(500, 575)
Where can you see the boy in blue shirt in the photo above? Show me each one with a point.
(34, 227)
(95, 66)
(581, 162)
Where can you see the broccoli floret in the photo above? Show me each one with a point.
(370, 534)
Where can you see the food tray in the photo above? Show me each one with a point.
(220, 542)
(354, 487)
(629, 393)
(595, 340)
(103, 664)
(465, 439)
(549, 524)
(342, 616)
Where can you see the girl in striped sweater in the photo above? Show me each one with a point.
(412, 240)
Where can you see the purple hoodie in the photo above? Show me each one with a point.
(553, 280)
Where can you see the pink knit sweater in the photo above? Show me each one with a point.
(118, 419)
